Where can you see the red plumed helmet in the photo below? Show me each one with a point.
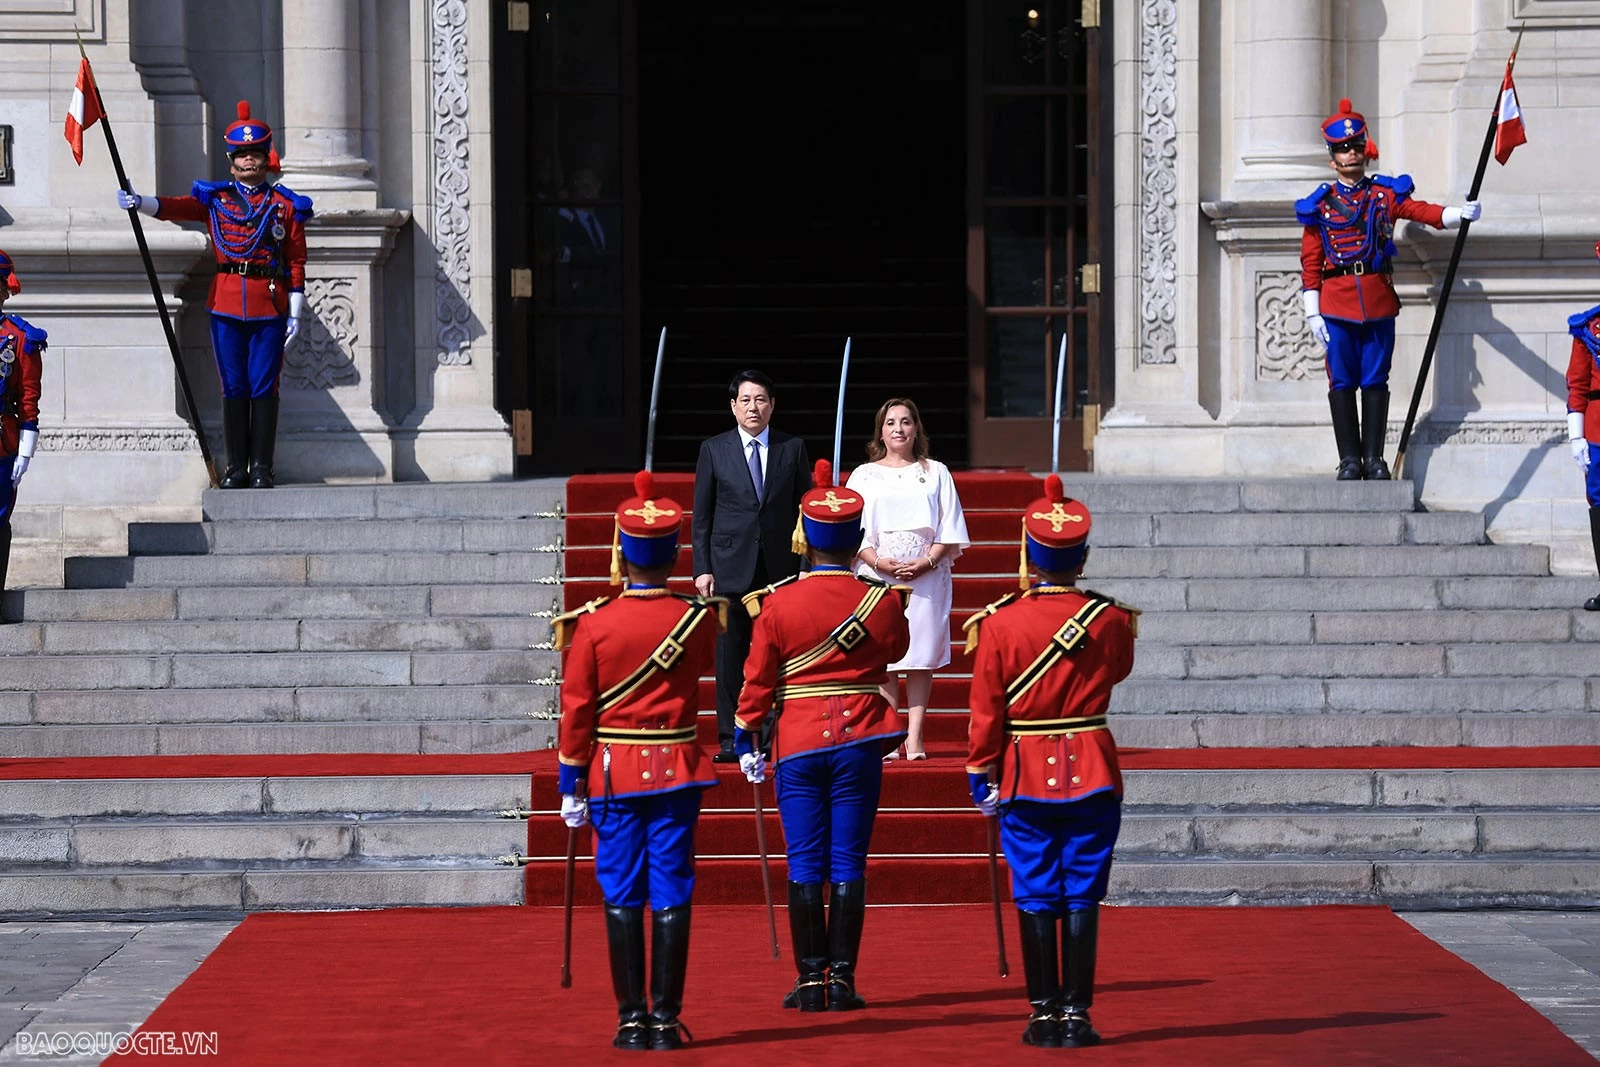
(644, 485)
(822, 474)
(1053, 491)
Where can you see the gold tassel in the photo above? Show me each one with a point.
(1022, 566)
(972, 627)
(797, 540)
(616, 553)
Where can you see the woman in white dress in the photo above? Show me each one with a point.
(913, 530)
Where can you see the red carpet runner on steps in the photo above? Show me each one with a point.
(1203, 986)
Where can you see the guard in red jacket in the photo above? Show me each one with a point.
(22, 348)
(813, 684)
(1346, 260)
(1583, 415)
(1041, 756)
(258, 295)
(630, 695)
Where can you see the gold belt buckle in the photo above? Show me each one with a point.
(1358, 268)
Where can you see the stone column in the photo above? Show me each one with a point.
(333, 426)
(1283, 46)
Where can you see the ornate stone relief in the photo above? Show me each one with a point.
(1158, 181)
(451, 200)
(118, 439)
(323, 355)
(1285, 349)
(1493, 433)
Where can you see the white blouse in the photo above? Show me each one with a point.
(919, 499)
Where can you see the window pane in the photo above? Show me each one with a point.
(579, 361)
(1015, 239)
(1016, 155)
(579, 251)
(575, 44)
(1015, 45)
(576, 142)
(1017, 379)
(1079, 355)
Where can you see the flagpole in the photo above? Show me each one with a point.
(192, 412)
(1450, 271)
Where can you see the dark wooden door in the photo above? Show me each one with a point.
(1035, 204)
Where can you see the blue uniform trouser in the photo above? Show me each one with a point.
(828, 801)
(644, 848)
(1359, 353)
(8, 493)
(1591, 480)
(249, 355)
(1060, 854)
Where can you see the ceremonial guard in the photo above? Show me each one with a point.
(630, 694)
(820, 647)
(21, 368)
(1583, 415)
(1346, 259)
(1041, 757)
(258, 295)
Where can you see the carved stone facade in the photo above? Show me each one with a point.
(1285, 349)
(1158, 180)
(324, 354)
(452, 182)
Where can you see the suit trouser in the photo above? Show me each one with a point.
(733, 648)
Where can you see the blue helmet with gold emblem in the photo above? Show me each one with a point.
(830, 515)
(247, 132)
(646, 528)
(1055, 532)
(1348, 128)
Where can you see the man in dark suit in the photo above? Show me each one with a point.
(747, 488)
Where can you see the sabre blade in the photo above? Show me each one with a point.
(655, 396)
(1055, 427)
(838, 418)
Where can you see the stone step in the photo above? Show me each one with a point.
(323, 536)
(414, 794)
(432, 735)
(275, 635)
(1267, 729)
(538, 498)
(376, 569)
(1112, 494)
(331, 704)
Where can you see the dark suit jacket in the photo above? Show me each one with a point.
(730, 527)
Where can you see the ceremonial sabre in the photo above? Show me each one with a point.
(994, 894)
(1055, 432)
(838, 418)
(155, 285)
(655, 394)
(566, 907)
(766, 873)
(1450, 272)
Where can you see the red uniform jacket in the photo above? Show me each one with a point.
(1054, 763)
(1583, 372)
(621, 643)
(245, 227)
(1358, 224)
(19, 392)
(818, 668)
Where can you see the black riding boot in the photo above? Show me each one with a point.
(1346, 433)
(1039, 971)
(5, 558)
(808, 932)
(625, 938)
(1080, 934)
(669, 962)
(847, 913)
(236, 441)
(1374, 424)
(263, 440)
(1592, 604)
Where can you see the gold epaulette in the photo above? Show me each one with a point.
(561, 626)
(720, 603)
(970, 627)
(1133, 612)
(752, 600)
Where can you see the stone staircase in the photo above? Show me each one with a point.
(409, 618)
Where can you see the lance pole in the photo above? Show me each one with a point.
(1450, 273)
(191, 412)
(838, 418)
(655, 396)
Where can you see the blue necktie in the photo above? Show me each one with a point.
(756, 478)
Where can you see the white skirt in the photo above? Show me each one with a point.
(928, 607)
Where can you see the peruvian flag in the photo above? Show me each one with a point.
(1508, 133)
(84, 110)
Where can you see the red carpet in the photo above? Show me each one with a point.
(1224, 986)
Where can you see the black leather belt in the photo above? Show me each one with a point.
(1594, 394)
(251, 270)
(1357, 268)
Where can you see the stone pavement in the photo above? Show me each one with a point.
(106, 977)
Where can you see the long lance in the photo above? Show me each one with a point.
(838, 418)
(1450, 271)
(191, 413)
(1055, 432)
(655, 395)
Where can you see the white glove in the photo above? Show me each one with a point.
(991, 803)
(574, 810)
(754, 766)
(27, 444)
(19, 467)
(128, 200)
(1575, 438)
(1468, 212)
(1311, 300)
(297, 307)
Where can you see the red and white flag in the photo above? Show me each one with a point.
(84, 110)
(1508, 132)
